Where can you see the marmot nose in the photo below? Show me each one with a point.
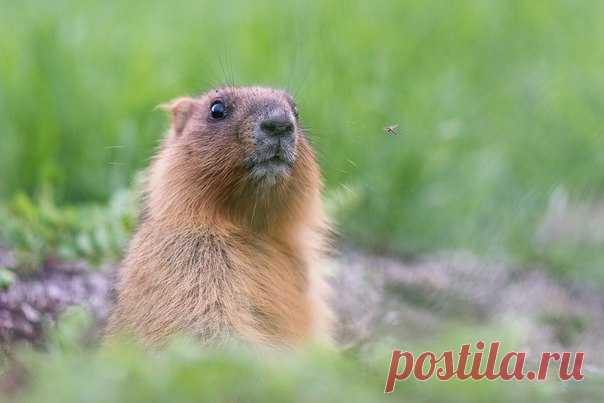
(280, 125)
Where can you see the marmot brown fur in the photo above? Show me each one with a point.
(232, 229)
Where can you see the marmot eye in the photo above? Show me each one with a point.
(218, 110)
(295, 111)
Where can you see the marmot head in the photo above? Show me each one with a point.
(237, 148)
(259, 124)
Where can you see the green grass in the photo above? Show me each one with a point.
(499, 103)
(183, 372)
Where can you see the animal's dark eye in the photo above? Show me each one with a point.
(218, 110)
(295, 108)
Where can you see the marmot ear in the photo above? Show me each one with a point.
(180, 109)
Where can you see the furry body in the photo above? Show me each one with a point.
(232, 232)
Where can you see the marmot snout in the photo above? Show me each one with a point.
(232, 231)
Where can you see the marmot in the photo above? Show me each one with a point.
(232, 229)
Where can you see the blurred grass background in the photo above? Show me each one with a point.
(499, 103)
(500, 110)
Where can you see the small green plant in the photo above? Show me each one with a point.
(7, 278)
(38, 228)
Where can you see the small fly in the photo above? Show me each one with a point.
(391, 129)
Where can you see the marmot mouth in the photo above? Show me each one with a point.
(274, 160)
(271, 168)
(273, 156)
